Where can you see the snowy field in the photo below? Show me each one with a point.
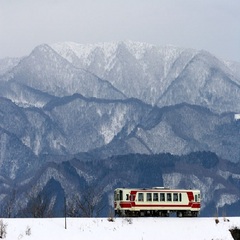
(121, 228)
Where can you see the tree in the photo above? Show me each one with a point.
(47, 201)
(39, 207)
(7, 209)
(3, 229)
(38, 204)
(89, 204)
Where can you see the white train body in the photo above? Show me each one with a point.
(156, 201)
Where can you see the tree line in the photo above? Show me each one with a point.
(88, 203)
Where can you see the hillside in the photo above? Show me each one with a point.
(74, 116)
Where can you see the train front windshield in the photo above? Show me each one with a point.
(118, 195)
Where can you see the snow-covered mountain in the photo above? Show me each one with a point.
(139, 70)
(235, 68)
(160, 75)
(74, 124)
(7, 64)
(46, 72)
(67, 105)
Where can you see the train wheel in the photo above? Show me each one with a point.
(179, 214)
(166, 214)
(142, 214)
(122, 214)
(195, 214)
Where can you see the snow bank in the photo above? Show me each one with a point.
(121, 228)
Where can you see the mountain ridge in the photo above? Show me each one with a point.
(179, 57)
(119, 113)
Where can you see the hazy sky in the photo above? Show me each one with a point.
(213, 25)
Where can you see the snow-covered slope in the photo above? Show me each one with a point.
(159, 75)
(45, 72)
(137, 69)
(121, 228)
(98, 122)
(67, 99)
(205, 81)
(118, 70)
(7, 64)
(235, 68)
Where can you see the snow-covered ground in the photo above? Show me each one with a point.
(120, 228)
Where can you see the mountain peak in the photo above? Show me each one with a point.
(43, 48)
(108, 48)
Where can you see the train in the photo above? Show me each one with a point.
(156, 202)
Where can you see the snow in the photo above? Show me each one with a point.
(227, 174)
(7, 64)
(237, 116)
(83, 51)
(120, 228)
(138, 49)
(227, 199)
(116, 123)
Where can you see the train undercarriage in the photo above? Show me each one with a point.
(156, 213)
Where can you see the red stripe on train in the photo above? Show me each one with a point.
(133, 204)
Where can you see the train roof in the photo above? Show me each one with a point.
(157, 188)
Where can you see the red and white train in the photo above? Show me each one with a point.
(157, 201)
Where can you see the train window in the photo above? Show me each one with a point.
(155, 197)
(121, 195)
(162, 197)
(175, 197)
(169, 197)
(149, 197)
(196, 198)
(140, 197)
(127, 196)
(116, 196)
(180, 197)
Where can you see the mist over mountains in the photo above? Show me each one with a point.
(68, 105)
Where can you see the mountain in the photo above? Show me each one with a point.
(205, 81)
(218, 181)
(160, 75)
(181, 129)
(88, 124)
(7, 64)
(235, 68)
(44, 73)
(139, 70)
(75, 116)
(75, 124)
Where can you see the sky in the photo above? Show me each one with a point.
(212, 25)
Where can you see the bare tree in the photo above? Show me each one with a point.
(7, 208)
(72, 209)
(10, 204)
(3, 229)
(38, 205)
(88, 204)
